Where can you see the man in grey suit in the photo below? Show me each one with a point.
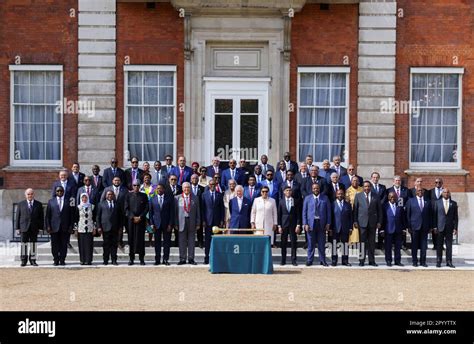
(159, 175)
(367, 218)
(445, 225)
(187, 221)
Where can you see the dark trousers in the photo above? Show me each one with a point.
(208, 240)
(109, 244)
(200, 234)
(380, 240)
(419, 241)
(284, 243)
(367, 238)
(340, 241)
(162, 232)
(86, 247)
(317, 236)
(187, 241)
(434, 238)
(136, 239)
(393, 239)
(446, 235)
(28, 237)
(59, 245)
(120, 233)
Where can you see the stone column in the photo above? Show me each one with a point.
(377, 52)
(96, 139)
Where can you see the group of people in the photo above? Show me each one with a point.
(332, 205)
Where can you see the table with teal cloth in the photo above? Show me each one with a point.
(241, 254)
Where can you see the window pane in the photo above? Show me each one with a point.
(134, 115)
(451, 97)
(307, 97)
(134, 78)
(22, 94)
(223, 105)
(307, 79)
(449, 153)
(249, 106)
(435, 81)
(151, 79)
(135, 95)
(166, 95)
(435, 97)
(451, 81)
(223, 132)
(433, 153)
(166, 79)
(150, 133)
(307, 116)
(420, 81)
(151, 95)
(166, 133)
(322, 97)
(249, 131)
(322, 79)
(166, 115)
(150, 115)
(339, 80)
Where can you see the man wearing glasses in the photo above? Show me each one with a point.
(111, 172)
(133, 173)
(168, 164)
(346, 179)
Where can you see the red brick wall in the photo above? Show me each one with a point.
(149, 36)
(323, 38)
(429, 35)
(41, 32)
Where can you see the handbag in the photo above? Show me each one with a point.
(354, 236)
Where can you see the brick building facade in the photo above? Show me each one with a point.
(187, 77)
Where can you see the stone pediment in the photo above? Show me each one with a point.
(238, 6)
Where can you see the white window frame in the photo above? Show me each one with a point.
(147, 68)
(345, 70)
(34, 68)
(438, 165)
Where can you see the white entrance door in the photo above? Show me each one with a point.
(237, 121)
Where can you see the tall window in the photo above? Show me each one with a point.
(323, 112)
(150, 109)
(435, 118)
(36, 119)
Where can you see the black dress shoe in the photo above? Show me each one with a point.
(157, 263)
(438, 265)
(282, 263)
(373, 264)
(361, 263)
(33, 262)
(114, 262)
(333, 264)
(305, 246)
(192, 262)
(82, 263)
(62, 263)
(424, 265)
(399, 264)
(182, 262)
(142, 262)
(200, 244)
(106, 263)
(166, 263)
(56, 263)
(294, 263)
(131, 262)
(309, 263)
(347, 264)
(389, 263)
(323, 264)
(450, 265)
(206, 261)
(89, 263)
(415, 265)
(23, 264)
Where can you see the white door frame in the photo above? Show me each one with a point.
(243, 88)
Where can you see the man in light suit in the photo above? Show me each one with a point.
(239, 208)
(265, 165)
(59, 224)
(346, 179)
(29, 221)
(120, 192)
(213, 212)
(187, 220)
(182, 171)
(289, 222)
(290, 164)
(419, 223)
(368, 217)
(111, 172)
(394, 226)
(161, 219)
(336, 166)
(90, 190)
(446, 225)
(435, 194)
(341, 227)
(251, 191)
(231, 173)
(109, 220)
(158, 175)
(316, 222)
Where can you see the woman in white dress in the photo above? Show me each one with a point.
(264, 213)
(203, 177)
(228, 195)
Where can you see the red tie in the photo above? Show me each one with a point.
(181, 176)
(251, 192)
(88, 191)
(217, 188)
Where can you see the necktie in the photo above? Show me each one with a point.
(421, 203)
(134, 175)
(116, 192)
(437, 192)
(335, 187)
(213, 197)
(394, 210)
(240, 204)
(194, 190)
(113, 171)
(174, 190)
(161, 201)
(186, 204)
(88, 191)
(216, 170)
(232, 174)
(340, 205)
(96, 181)
(30, 206)
(288, 205)
(63, 184)
(181, 173)
(217, 188)
(367, 198)
(110, 205)
(398, 192)
(317, 206)
(446, 207)
(270, 187)
(304, 175)
(265, 169)
(60, 204)
(251, 192)
(376, 188)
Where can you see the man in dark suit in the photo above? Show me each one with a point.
(336, 166)
(111, 172)
(133, 173)
(161, 220)
(120, 192)
(259, 177)
(214, 167)
(239, 208)
(29, 221)
(419, 185)
(69, 186)
(251, 191)
(419, 223)
(213, 212)
(231, 173)
(368, 217)
(97, 179)
(280, 173)
(302, 175)
(435, 194)
(394, 226)
(446, 225)
(172, 188)
(59, 224)
(244, 172)
(109, 220)
(273, 186)
(315, 178)
(290, 164)
(158, 175)
(289, 222)
(400, 191)
(136, 209)
(168, 164)
(197, 190)
(293, 184)
(341, 227)
(265, 165)
(316, 221)
(182, 171)
(76, 176)
(90, 190)
(333, 187)
(346, 179)
(381, 192)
